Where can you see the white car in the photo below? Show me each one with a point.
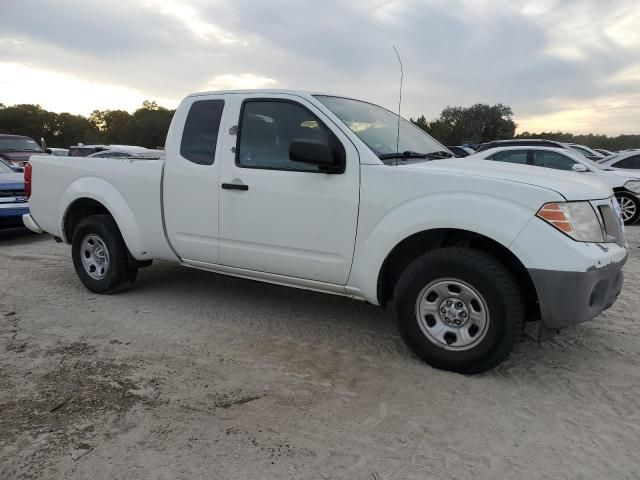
(318, 192)
(603, 152)
(625, 184)
(627, 160)
(128, 153)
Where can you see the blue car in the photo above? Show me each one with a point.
(13, 201)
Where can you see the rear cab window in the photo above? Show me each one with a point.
(200, 134)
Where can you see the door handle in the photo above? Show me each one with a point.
(235, 186)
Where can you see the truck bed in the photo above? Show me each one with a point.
(131, 185)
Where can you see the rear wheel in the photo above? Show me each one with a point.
(100, 255)
(629, 207)
(459, 309)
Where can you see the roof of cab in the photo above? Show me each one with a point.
(253, 91)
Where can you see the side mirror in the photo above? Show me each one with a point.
(314, 152)
(578, 167)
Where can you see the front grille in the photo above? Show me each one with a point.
(612, 224)
(11, 193)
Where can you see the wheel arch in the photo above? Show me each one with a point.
(422, 242)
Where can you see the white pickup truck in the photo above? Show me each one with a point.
(310, 191)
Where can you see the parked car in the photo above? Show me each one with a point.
(603, 152)
(534, 142)
(626, 185)
(58, 152)
(81, 150)
(461, 151)
(629, 160)
(16, 149)
(138, 153)
(13, 200)
(310, 191)
(13, 167)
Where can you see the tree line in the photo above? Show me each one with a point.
(482, 123)
(148, 126)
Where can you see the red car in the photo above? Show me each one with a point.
(16, 149)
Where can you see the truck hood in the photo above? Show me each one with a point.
(571, 185)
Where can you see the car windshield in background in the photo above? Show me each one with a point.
(5, 169)
(377, 127)
(19, 145)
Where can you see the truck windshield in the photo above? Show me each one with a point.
(19, 144)
(377, 127)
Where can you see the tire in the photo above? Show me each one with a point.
(630, 207)
(487, 290)
(105, 267)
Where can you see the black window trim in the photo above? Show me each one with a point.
(294, 102)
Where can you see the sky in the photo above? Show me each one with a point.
(569, 65)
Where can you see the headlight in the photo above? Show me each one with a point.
(633, 186)
(576, 219)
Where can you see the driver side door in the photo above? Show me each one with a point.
(279, 216)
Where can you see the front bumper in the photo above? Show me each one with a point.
(569, 298)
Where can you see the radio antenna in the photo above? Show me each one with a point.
(399, 103)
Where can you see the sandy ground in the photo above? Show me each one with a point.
(193, 375)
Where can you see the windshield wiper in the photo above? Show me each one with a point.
(409, 154)
(438, 155)
(403, 155)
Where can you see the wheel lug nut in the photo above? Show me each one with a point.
(459, 305)
(449, 303)
(442, 310)
(456, 321)
(463, 314)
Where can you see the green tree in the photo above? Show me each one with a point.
(30, 120)
(71, 129)
(476, 124)
(150, 125)
(113, 126)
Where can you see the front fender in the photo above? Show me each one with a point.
(105, 193)
(490, 216)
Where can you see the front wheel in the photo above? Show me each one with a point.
(629, 207)
(100, 255)
(459, 309)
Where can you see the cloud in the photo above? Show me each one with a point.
(538, 56)
(242, 81)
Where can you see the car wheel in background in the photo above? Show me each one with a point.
(629, 207)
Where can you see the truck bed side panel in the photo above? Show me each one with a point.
(129, 189)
